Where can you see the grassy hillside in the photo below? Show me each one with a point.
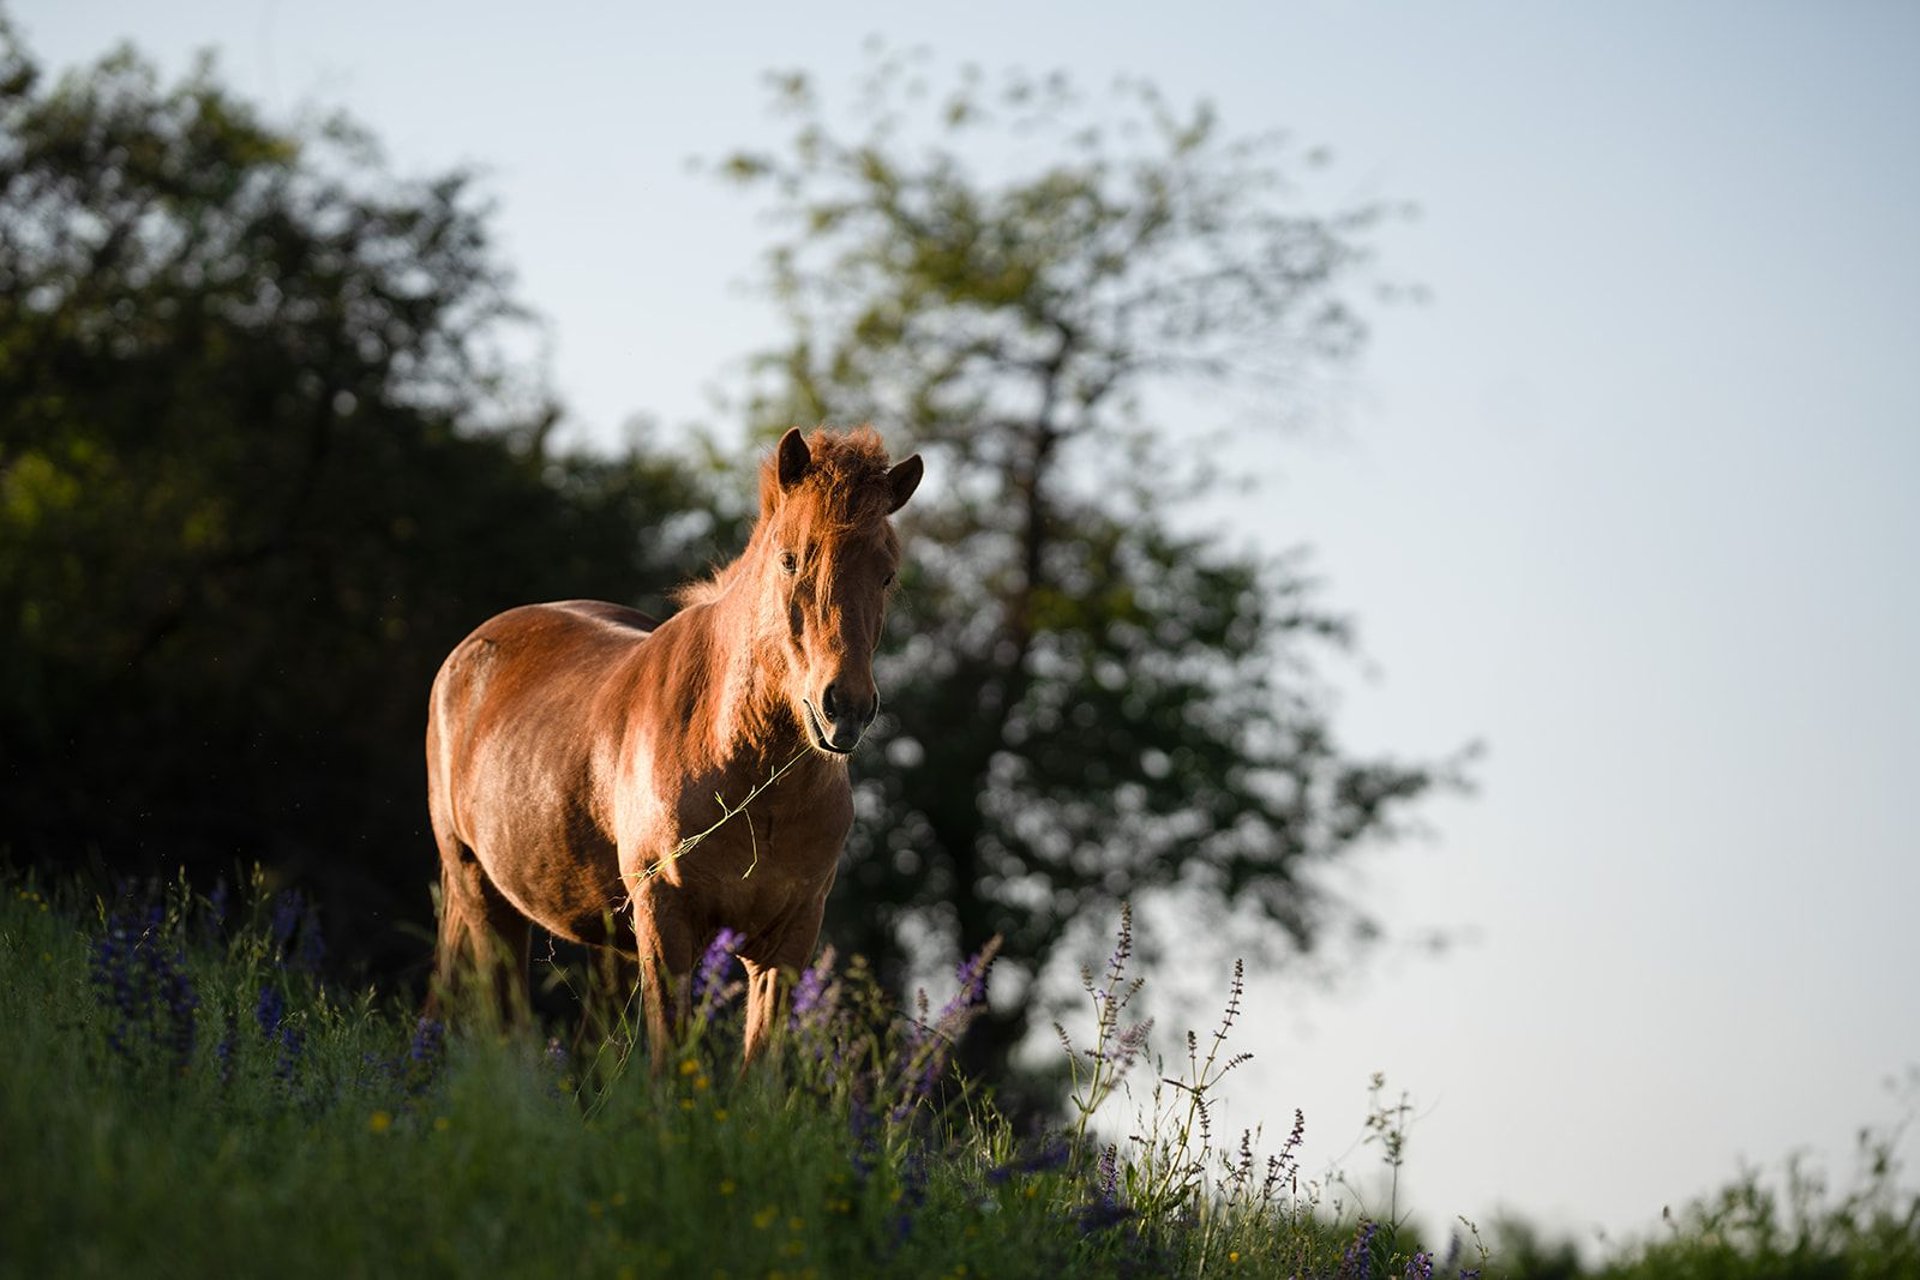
(182, 1096)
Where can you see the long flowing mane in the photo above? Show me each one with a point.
(845, 488)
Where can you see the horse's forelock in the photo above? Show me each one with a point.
(845, 487)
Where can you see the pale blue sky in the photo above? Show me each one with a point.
(1633, 499)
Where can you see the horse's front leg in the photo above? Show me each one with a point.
(663, 942)
(766, 989)
(770, 976)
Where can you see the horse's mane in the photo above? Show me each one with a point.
(845, 488)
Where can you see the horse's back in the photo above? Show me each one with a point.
(534, 645)
(618, 616)
(562, 622)
(520, 693)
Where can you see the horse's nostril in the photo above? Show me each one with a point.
(827, 703)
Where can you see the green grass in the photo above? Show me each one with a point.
(342, 1155)
(159, 1118)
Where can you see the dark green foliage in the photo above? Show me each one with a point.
(261, 465)
(1088, 700)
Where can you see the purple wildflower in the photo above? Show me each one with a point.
(1123, 947)
(292, 1043)
(424, 1053)
(714, 972)
(216, 917)
(312, 948)
(1289, 1149)
(429, 1037)
(1128, 1045)
(288, 907)
(1106, 1209)
(145, 986)
(917, 1028)
(913, 1193)
(1102, 1215)
(270, 1011)
(1049, 1158)
(972, 994)
(113, 978)
(810, 1002)
(181, 1003)
(1420, 1266)
(928, 1046)
(1357, 1262)
(864, 1130)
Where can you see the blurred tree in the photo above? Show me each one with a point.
(262, 462)
(1088, 701)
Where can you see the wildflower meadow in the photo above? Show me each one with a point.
(186, 1094)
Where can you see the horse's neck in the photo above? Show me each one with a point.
(751, 722)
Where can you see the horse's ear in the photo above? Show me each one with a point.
(903, 480)
(794, 458)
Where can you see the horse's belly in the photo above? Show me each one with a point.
(529, 822)
(566, 884)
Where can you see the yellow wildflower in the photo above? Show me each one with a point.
(380, 1122)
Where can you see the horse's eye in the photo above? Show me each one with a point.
(790, 562)
(888, 580)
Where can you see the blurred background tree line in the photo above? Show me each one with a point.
(266, 455)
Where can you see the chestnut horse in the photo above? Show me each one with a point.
(586, 766)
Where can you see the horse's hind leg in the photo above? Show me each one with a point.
(483, 937)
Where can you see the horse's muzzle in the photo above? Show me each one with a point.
(837, 723)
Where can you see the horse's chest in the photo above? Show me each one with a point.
(783, 844)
